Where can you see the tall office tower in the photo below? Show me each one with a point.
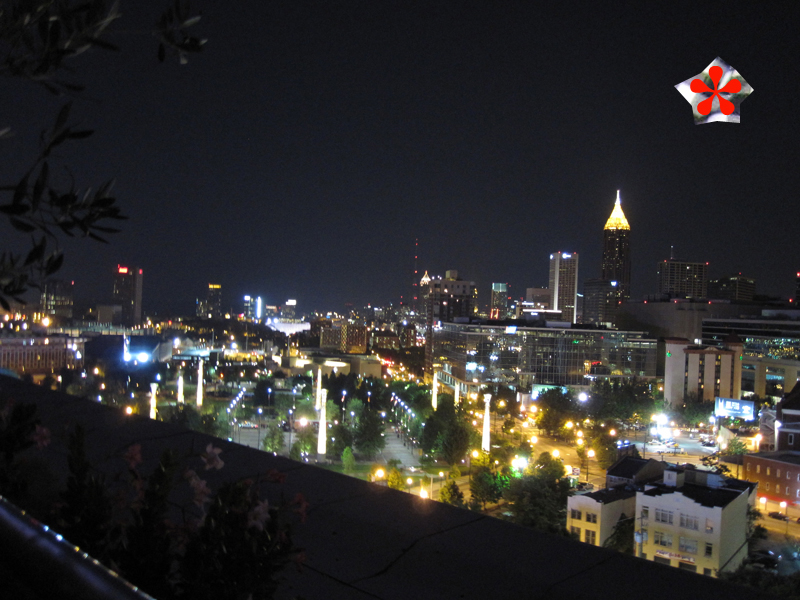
(445, 300)
(498, 308)
(600, 300)
(681, 279)
(732, 287)
(289, 309)
(128, 294)
(214, 300)
(797, 289)
(539, 297)
(56, 298)
(252, 307)
(564, 284)
(617, 251)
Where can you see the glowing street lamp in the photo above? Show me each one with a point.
(589, 457)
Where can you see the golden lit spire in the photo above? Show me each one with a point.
(425, 279)
(617, 219)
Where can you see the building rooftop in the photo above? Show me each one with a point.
(705, 496)
(609, 495)
(364, 541)
(784, 456)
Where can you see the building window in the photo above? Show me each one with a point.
(663, 516)
(709, 549)
(706, 571)
(661, 560)
(767, 484)
(787, 474)
(778, 472)
(590, 537)
(768, 470)
(662, 539)
(688, 545)
(791, 439)
(575, 514)
(688, 522)
(576, 531)
(758, 468)
(777, 489)
(709, 526)
(646, 510)
(748, 466)
(687, 567)
(591, 517)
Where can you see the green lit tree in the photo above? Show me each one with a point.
(395, 480)
(621, 538)
(451, 494)
(369, 439)
(737, 448)
(348, 460)
(273, 438)
(484, 487)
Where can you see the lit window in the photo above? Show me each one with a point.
(768, 470)
(662, 539)
(663, 516)
(709, 526)
(791, 439)
(758, 468)
(690, 522)
(778, 473)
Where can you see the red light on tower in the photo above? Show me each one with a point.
(122, 269)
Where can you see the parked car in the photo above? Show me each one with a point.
(765, 562)
(778, 515)
(764, 552)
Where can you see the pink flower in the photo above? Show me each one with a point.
(258, 515)
(211, 458)
(200, 488)
(41, 436)
(133, 456)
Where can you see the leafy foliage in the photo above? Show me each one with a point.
(621, 538)
(348, 460)
(339, 437)
(395, 480)
(451, 494)
(484, 487)
(273, 437)
(539, 498)
(369, 439)
(39, 40)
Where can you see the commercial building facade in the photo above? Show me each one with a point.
(617, 250)
(702, 372)
(694, 520)
(127, 293)
(681, 279)
(564, 284)
(41, 355)
(474, 354)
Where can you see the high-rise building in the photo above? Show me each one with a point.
(681, 279)
(617, 251)
(289, 309)
(564, 284)
(445, 300)
(128, 294)
(732, 287)
(498, 308)
(600, 301)
(56, 298)
(797, 289)
(211, 307)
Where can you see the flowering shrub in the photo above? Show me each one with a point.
(228, 543)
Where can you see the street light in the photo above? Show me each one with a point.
(589, 457)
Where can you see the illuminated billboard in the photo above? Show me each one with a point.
(738, 409)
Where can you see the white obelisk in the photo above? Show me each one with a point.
(200, 384)
(153, 390)
(485, 442)
(180, 389)
(322, 438)
(457, 393)
(435, 392)
(319, 387)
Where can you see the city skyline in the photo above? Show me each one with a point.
(307, 148)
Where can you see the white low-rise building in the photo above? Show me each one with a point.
(694, 520)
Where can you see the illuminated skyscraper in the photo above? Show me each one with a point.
(564, 284)
(617, 251)
(498, 308)
(128, 294)
(681, 279)
(56, 298)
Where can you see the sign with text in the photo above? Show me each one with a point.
(738, 409)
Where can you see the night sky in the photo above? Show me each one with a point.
(301, 154)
